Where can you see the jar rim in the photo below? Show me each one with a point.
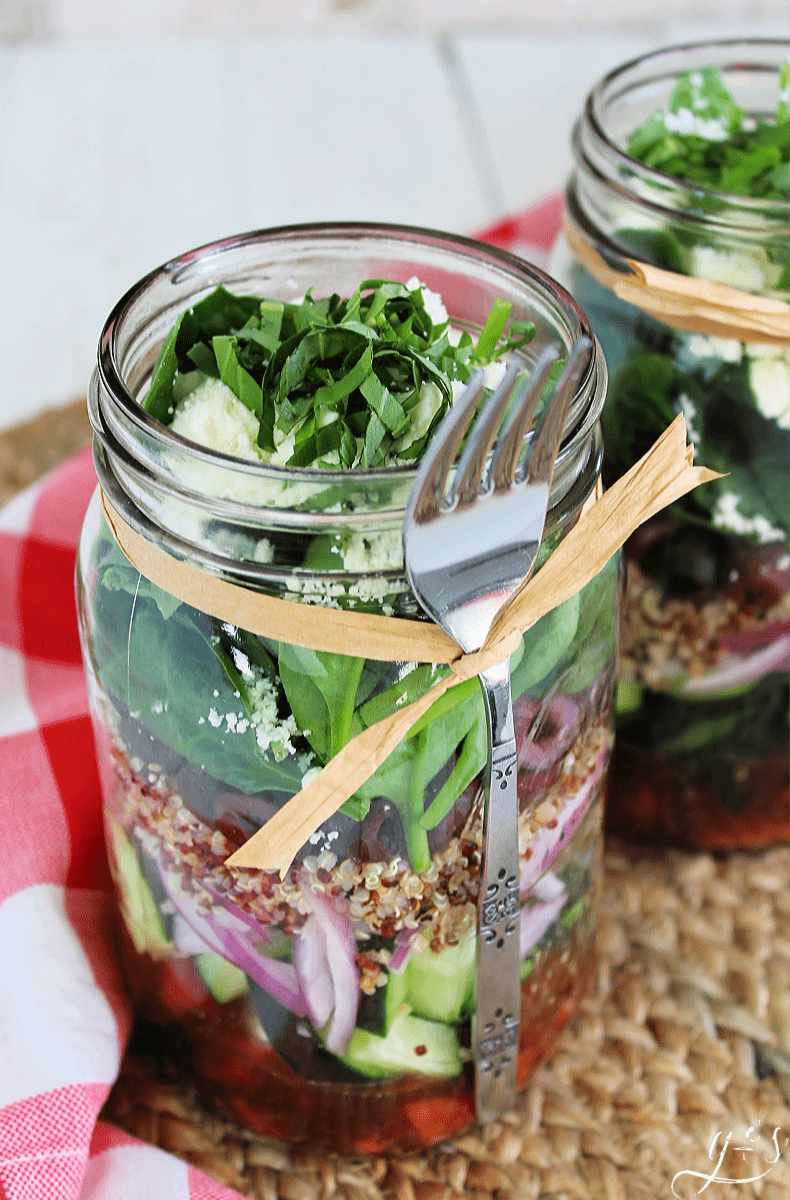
(667, 63)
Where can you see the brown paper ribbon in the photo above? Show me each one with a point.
(685, 301)
(662, 476)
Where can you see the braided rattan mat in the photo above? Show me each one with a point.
(677, 1050)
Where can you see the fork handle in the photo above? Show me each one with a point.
(498, 988)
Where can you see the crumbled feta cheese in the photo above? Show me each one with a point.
(699, 345)
(690, 414)
(748, 271)
(769, 379)
(685, 121)
(212, 416)
(308, 777)
(270, 731)
(725, 515)
(370, 553)
(317, 591)
(284, 446)
(494, 372)
(432, 301)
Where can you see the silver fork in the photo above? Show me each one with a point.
(468, 547)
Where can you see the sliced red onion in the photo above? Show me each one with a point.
(237, 911)
(536, 919)
(537, 753)
(746, 640)
(279, 979)
(550, 840)
(548, 888)
(404, 941)
(186, 907)
(340, 949)
(186, 941)
(312, 969)
(738, 672)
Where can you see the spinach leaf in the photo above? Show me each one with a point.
(183, 675)
(321, 689)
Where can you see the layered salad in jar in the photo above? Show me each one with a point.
(333, 1004)
(702, 726)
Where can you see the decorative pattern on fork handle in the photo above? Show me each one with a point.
(498, 993)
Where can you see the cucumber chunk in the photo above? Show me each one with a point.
(377, 1012)
(138, 906)
(225, 981)
(412, 1044)
(441, 985)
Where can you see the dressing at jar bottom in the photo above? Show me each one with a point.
(211, 1047)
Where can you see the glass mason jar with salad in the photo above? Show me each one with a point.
(259, 407)
(676, 245)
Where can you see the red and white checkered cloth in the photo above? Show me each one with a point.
(64, 1016)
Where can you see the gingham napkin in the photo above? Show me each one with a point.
(64, 1016)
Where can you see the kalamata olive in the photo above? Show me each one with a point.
(759, 575)
(451, 825)
(692, 561)
(381, 833)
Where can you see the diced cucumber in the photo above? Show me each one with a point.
(412, 1044)
(377, 1012)
(138, 906)
(225, 981)
(440, 984)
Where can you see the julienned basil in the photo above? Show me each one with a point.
(704, 138)
(341, 375)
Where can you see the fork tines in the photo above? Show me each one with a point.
(518, 394)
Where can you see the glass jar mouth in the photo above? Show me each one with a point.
(642, 83)
(144, 454)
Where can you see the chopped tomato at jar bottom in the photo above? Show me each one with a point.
(651, 796)
(211, 1047)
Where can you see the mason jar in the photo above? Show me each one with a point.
(701, 753)
(332, 1005)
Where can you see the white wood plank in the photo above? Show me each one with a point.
(528, 92)
(115, 156)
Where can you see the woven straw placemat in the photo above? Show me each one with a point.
(675, 1049)
(30, 449)
(673, 1074)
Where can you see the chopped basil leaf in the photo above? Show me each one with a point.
(704, 138)
(343, 379)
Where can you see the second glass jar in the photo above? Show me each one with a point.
(702, 735)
